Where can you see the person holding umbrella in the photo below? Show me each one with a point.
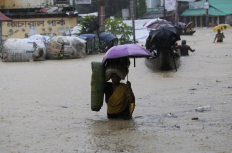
(219, 36)
(119, 96)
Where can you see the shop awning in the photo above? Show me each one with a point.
(4, 18)
(198, 12)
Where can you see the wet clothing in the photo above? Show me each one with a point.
(219, 41)
(118, 105)
(184, 50)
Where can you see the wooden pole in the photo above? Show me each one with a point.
(207, 17)
(101, 16)
(164, 11)
(132, 18)
(176, 14)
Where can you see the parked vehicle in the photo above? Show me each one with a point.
(106, 41)
(94, 42)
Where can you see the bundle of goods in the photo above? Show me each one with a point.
(44, 39)
(97, 86)
(119, 66)
(66, 48)
(23, 50)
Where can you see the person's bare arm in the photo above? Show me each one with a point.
(192, 50)
(215, 39)
(131, 94)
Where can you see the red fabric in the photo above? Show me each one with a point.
(4, 18)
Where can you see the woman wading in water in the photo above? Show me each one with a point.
(120, 98)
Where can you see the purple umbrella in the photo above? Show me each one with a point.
(181, 23)
(128, 50)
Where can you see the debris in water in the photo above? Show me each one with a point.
(195, 118)
(64, 106)
(171, 115)
(218, 81)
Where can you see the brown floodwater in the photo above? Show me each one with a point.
(45, 106)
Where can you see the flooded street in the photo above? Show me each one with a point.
(45, 106)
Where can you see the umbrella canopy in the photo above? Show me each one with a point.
(4, 18)
(165, 35)
(128, 50)
(221, 27)
(189, 24)
(181, 23)
(90, 36)
(153, 21)
(107, 37)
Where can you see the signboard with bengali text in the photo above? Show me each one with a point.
(196, 5)
(83, 1)
(158, 9)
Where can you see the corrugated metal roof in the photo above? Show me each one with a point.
(196, 12)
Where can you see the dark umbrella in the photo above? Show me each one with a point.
(165, 36)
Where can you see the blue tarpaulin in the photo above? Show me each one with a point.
(90, 36)
(107, 37)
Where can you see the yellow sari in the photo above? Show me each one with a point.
(119, 100)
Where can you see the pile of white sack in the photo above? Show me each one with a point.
(23, 50)
(70, 47)
(39, 48)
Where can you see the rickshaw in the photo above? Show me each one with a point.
(106, 41)
(93, 41)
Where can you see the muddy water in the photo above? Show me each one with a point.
(45, 106)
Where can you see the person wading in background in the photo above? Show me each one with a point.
(184, 48)
(219, 36)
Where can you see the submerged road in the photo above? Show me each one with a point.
(45, 106)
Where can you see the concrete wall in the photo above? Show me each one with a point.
(19, 28)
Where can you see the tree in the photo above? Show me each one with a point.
(89, 24)
(142, 7)
(117, 27)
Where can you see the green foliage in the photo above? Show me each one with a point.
(141, 7)
(85, 24)
(117, 27)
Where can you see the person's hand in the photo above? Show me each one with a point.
(194, 50)
(128, 84)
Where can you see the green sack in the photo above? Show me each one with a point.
(97, 85)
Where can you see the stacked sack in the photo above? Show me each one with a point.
(120, 66)
(23, 50)
(66, 48)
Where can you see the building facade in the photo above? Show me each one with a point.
(30, 17)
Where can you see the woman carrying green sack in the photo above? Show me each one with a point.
(120, 98)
